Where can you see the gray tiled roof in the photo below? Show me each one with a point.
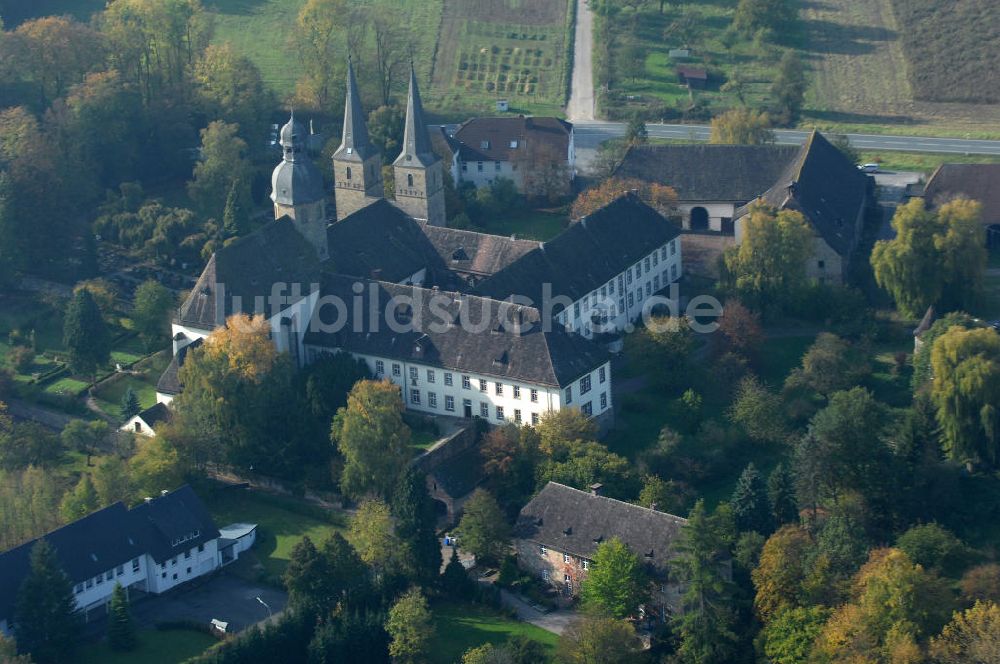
(417, 149)
(980, 182)
(158, 412)
(476, 253)
(246, 269)
(354, 145)
(169, 382)
(735, 173)
(829, 190)
(113, 536)
(572, 521)
(493, 344)
(586, 255)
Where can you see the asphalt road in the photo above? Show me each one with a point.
(588, 135)
(581, 100)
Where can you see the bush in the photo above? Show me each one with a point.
(22, 359)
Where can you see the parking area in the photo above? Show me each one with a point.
(223, 597)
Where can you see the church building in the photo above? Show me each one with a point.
(467, 324)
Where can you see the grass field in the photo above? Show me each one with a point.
(463, 626)
(502, 49)
(922, 162)
(282, 523)
(155, 647)
(528, 225)
(109, 393)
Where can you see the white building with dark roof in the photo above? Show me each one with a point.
(153, 547)
(529, 346)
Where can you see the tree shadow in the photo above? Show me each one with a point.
(860, 118)
(828, 37)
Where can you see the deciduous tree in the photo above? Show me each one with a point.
(223, 160)
(79, 501)
(759, 411)
(966, 391)
(789, 87)
(411, 628)
(483, 529)
(972, 636)
(741, 126)
(658, 196)
(769, 265)
(617, 584)
(598, 640)
(371, 436)
(373, 535)
(151, 309)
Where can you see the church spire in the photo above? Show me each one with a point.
(355, 138)
(416, 140)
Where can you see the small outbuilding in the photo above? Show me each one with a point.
(693, 77)
(145, 423)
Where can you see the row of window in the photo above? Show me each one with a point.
(416, 399)
(431, 377)
(107, 576)
(497, 166)
(585, 385)
(567, 559)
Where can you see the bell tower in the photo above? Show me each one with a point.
(418, 170)
(357, 164)
(297, 188)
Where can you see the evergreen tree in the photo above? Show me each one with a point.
(750, 504)
(455, 581)
(483, 529)
(130, 405)
(9, 252)
(705, 626)
(234, 216)
(121, 631)
(85, 334)
(415, 525)
(781, 493)
(45, 622)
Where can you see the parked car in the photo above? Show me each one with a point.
(868, 168)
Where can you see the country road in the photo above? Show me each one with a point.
(588, 135)
(581, 99)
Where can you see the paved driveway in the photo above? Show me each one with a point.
(553, 621)
(225, 597)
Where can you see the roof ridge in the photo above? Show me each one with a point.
(615, 500)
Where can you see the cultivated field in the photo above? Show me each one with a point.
(952, 48)
(502, 49)
(860, 70)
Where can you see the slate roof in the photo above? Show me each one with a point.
(979, 182)
(499, 338)
(246, 269)
(476, 253)
(416, 140)
(354, 144)
(155, 414)
(169, 382)
(572, 521)
(488, 139)
(113, 536)
(585, 256)
(703, 173)
(444, 145)
(379, 239)
(827, 188)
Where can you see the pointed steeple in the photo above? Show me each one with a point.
(355, 144)
(416, 140)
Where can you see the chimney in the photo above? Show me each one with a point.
(596, 488)
(377, 274)
(312, 130)
(148, 499)
(163, 492)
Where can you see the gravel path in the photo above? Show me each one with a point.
(581, 98)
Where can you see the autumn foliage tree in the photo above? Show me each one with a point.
(741, 126)
(658, 196)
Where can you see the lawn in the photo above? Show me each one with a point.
(528, 225)
(422, 440)
(109, 393)
(265, 31)
(921, 162)
(282, 523)
(459, 627)
(502, 49)
(155, 647)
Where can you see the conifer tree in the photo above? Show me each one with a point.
(85, 334)
(130, 405)
(751, 507)
(781, 493)
(45, 621)
(415, 525)
(121, 631)
(455, 580)
(234, 216)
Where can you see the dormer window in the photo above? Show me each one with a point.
(513, 145)
(484, 145)
(350, 150)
